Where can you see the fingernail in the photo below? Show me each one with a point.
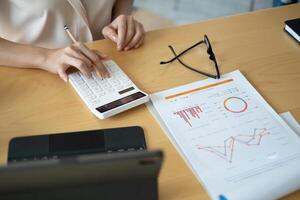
(126, 49)
(120, 46)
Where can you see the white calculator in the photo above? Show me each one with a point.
(106, 97)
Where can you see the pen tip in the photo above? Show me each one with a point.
(65, 27)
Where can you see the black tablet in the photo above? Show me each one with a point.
(59, 145)
(123, 175)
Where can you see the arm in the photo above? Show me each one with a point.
(53, 60)
(124, 30)
(23, 56)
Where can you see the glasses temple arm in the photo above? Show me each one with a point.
(179, 60)
(181, 53)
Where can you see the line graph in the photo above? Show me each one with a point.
(227, 150)
(187, 114)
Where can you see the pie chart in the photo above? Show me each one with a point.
(235, 105)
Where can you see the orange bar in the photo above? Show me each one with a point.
(198, 89)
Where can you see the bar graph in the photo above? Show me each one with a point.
(188, 114)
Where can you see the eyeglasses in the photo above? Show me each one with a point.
(209, 51)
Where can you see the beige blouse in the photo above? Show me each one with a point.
(41, 22)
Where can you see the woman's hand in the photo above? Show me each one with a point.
(126, 32)
(77, 55)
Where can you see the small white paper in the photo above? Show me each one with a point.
(291, 121)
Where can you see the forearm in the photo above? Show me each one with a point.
(122, 7)
(18, 55)
(53, 60)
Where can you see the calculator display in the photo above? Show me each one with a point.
(120, 102)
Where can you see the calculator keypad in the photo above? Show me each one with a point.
(96, 88)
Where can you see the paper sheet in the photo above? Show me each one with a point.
(291, 121)
(231, 138)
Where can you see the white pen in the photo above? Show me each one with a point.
(70, 34)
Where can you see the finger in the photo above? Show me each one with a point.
(102, 55)
(100, 69)
(77, 53)
(140, 42)
(130, 31)
(137, 37)
(121, 32)
(62, 73)
(80, 65)
(142, 38)
(95, 59)
(110, 33)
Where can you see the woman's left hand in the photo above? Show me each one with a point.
(126, 32)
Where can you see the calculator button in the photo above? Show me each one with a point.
(91, 96)
(110, 89)
(96, 102)
(98, 89)
(92, 83)
(106, 85)
(112, 69)
(83, 87)
(115, 81)
(99, 81)
(77, 78)
(119, 87)
(100, 94)
(126, 90)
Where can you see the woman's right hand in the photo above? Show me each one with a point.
(77, 55)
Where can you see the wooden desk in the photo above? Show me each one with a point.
(34, 102)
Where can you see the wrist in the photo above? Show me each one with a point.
(40, 58)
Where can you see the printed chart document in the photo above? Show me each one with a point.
(234, 142)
